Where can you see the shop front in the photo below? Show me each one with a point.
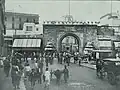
(28, 47)
(105, 49)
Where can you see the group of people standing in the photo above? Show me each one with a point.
(65, 57)
(13, 68)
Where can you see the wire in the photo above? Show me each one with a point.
(69, 7)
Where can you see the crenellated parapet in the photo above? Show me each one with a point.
(70, 23)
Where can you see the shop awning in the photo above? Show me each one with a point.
(117, 44)
(105, 44)
(23, 43)
(102, 51)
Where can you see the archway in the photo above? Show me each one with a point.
(66, 35)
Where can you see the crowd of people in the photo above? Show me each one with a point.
(35, 67)
(33, 70)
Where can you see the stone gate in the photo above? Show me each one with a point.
(56, 31)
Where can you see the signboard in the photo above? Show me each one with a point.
(105, 43)
(28, 36)
(68, 29)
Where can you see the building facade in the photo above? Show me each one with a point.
(16, 20)
(2, 25)
(83, 32)
(15, 25)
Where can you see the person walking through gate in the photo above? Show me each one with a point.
(68, 59)
(64, 57)
(6, 67)
(66, 74)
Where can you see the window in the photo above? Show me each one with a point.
(34, 20)
(20, 19)
(13, 26)
(37, 29)
(13, 19)
(20, 26)
(27, 20)
(28, 28)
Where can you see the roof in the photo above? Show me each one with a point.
(25, 14)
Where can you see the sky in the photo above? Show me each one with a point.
(55, 9)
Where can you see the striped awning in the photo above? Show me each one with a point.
(26, 43)
(50, 49)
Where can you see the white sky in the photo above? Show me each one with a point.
(54, 10)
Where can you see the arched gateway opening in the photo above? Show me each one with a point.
(69, 42)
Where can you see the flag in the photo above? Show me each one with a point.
(110, 16)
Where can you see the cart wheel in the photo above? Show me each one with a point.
(111, 78)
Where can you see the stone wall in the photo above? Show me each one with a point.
(91, 35)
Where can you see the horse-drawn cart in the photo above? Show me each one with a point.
(111, 69)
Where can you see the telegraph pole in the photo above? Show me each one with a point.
(111, 13)
(69, 7)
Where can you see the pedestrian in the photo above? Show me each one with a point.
(40, 65)
(58, 56)
(15, 75)
(64, 56)
(32, 78)
(1, 63)
(65, 59)
(27, 70)
(75, 57)
(51, 74)
(58, 74)
(47, 60)
(61, 58)
(47, 78)
(6, 67)
(66, 74)
(33, 65)
(68, 59)
(39, 76)
(50, 59)
(99, 66)
(19, 77)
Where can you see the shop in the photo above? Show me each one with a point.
(27, 45)
(105, 49)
